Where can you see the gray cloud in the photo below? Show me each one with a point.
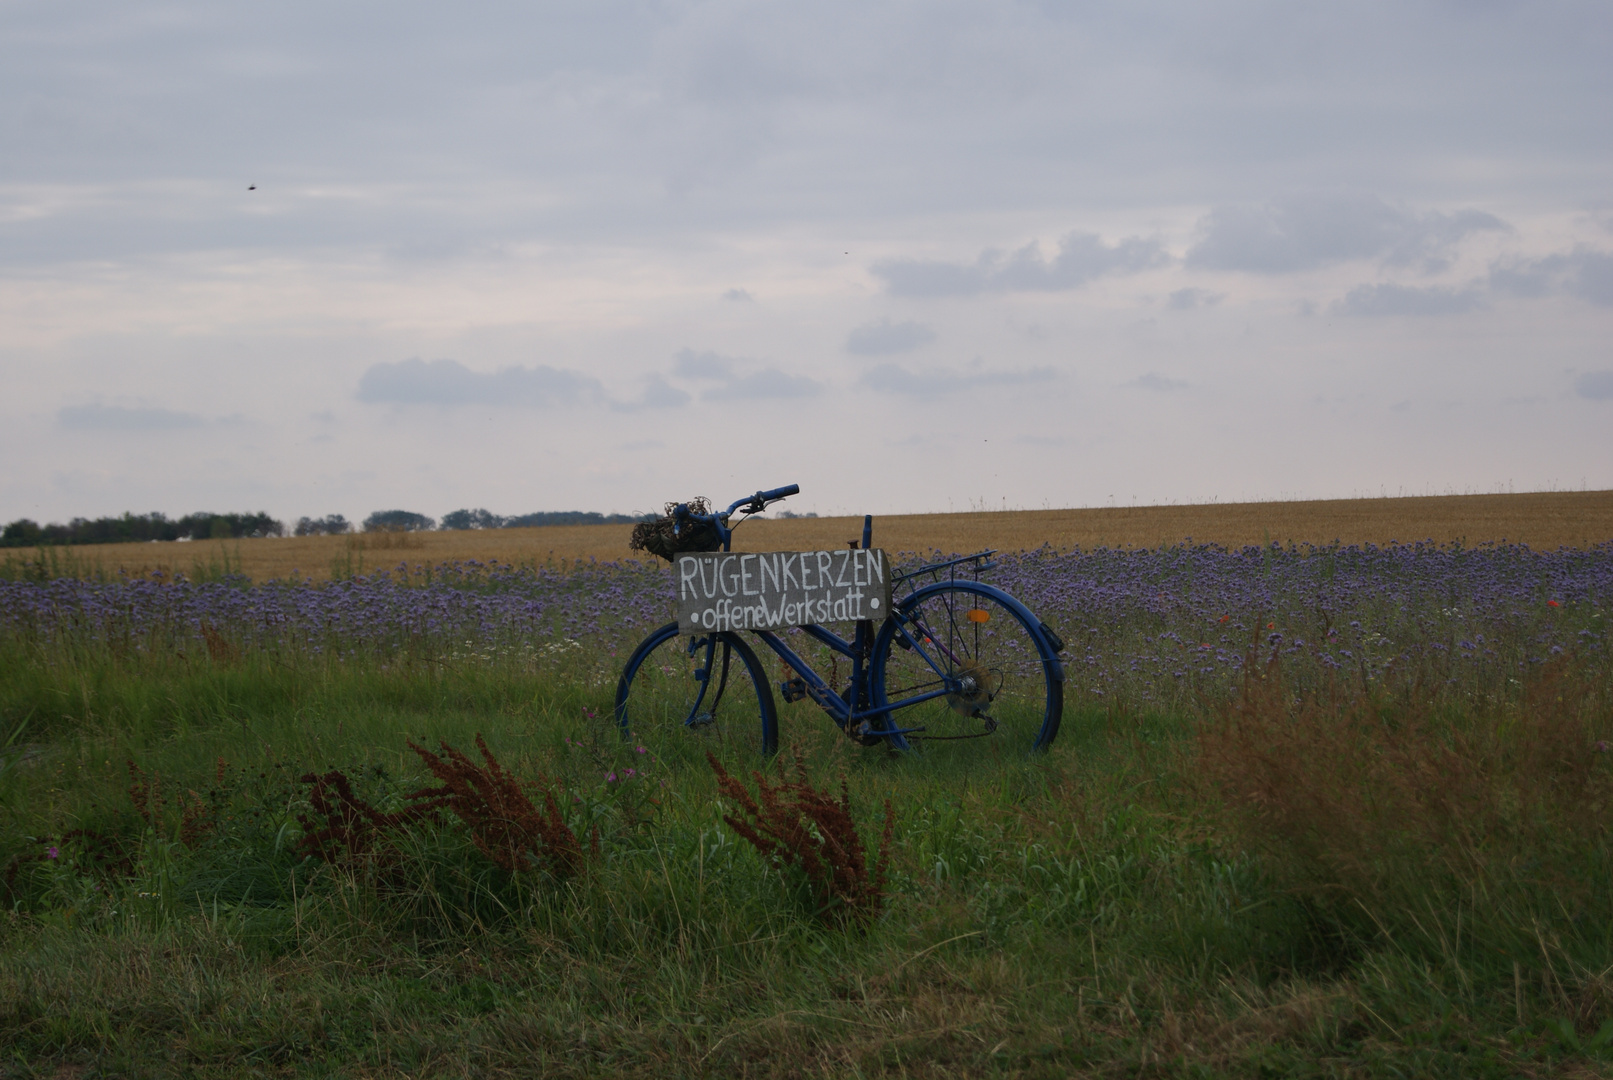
(658, 394)
(884, 337)
(1188, 299)
(1373, 300)
(689, 364)
(1081, 257)
(119, 418)
(1584, 273)
(1305, 233)
(1595, 385)
(763, 384)
(1158, 383)
(448, 382)
(939, 382)
(741, 296)
(725, 371)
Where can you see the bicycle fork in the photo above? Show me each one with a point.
(702, 675)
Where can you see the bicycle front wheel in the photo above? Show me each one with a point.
(713, 684)
(980, 672)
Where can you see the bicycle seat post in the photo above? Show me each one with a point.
(868, 531)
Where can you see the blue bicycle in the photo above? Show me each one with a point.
(956, 662)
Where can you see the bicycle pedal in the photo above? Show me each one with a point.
(793, 689)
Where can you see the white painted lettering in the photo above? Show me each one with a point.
(745, 574)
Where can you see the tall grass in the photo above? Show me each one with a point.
(1470, 840)
(1273, 888)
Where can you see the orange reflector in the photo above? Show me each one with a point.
(979, 615)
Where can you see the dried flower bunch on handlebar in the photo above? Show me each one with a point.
(659, 538)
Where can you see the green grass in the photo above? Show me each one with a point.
(1116, 907)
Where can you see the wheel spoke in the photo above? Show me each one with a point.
(674, 687)
(971, 641)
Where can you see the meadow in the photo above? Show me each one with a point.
(1315, 809)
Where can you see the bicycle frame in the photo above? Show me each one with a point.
(854, 710)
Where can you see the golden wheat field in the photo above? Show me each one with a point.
(1543, 520)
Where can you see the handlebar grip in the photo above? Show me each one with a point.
(778, 493)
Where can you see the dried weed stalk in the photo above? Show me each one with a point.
(198, 815)
(504, 823)
(219, 648)
(145, 791)
(792, 823)
(347, 827)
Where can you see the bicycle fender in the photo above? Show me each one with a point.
(1055, 666)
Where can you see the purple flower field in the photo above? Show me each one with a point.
(1143, 627)
(1154, 624)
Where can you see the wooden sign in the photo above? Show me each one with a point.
(730, 590)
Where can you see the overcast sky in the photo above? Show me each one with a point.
(914, 257)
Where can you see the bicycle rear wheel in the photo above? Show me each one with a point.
(712, 683)
(990, 665)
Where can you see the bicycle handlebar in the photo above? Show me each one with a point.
(779, 493)
(755, 504)
(752, 504)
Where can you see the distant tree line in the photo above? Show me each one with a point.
(408, 521)
(482, 519)
(132, 528)
(329, 525)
